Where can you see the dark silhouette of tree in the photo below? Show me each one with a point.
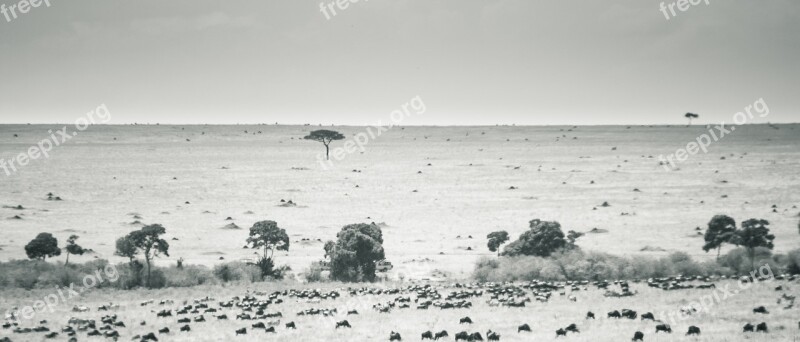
(73, 248)
(754, 233)
(496, 239)
(721, 230)
(126, 248)
(542, 239)
(329, 247)
(42, 247)
(268, 236)
(691, 116)
(357, 249)
(148, 241)
(325, 137)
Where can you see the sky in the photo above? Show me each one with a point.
(472, 62)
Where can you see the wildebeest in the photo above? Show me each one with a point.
(186, 328)
(663, 327)
(270, 330)
(242, 331)
(441, 334)
(572, 328)
(428, 334)
(693, 330)
(590, 315)
(393, 336)
(748, 328)
(476, 336)
(561, 332)
(629, 314)
(524, 327)
(761, 310)
(466, 320)
(259, 325)
(343, 324)
(492, 336)
(290, 325)
(352, 312)
(648, 315)
(762, 327)
(638, 336)
(614, 314)
(462, 336)
(149, 337)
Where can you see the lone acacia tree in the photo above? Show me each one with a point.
(721, 230)
(325, 137)
(542, 239)
(148, 240)
(42, 247)
(496, 239)
(267, 235)
(73, 248)
(691, 116)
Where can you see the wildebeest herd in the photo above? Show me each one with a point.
(508, 311)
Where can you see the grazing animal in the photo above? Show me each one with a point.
(561, 332)
(648, 315)
(614, 314)
(163, 331)
(242, 331)
(343, 324)
(270, 330)
(748, 328)
(186, 328)
(572, 328)
(51, 335)
(590, 315)
(466, 320)
(290, 325)
(761, 310)
(524, 327)
(638, 336)
(492, 336)
(149, 337)
(427, 335)
(693, 330)
(476, 336)
(259, 325)
(184, 320)
(762, 327)
(441, 334)
(462, 336)
(393, 336)
(629, 314)
(352, 312)
(663, 327)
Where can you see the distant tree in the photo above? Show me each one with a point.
(721, 230)
(42, 247)
(126, 248)
(754, 233)
(268, 236)
(73, 248)
(325, 137)
(357, 250)
(149, 242)
(572, 237)
(329, 247)
(691, 116)
(496, 239)
(542, 239)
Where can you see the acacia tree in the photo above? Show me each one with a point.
(496, 239)
(42, 247)
(357, 249)
(754, 233)
(691, 116)
(721, 230)
(268, 236)
(542, 239)
(148, 241)
(325, 137)
(73, 248)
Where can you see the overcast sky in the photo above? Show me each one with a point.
(471, 61)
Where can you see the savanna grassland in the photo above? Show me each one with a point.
(113, 179)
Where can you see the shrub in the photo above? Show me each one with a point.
(314, 273)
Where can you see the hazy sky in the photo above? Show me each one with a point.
(471, 61)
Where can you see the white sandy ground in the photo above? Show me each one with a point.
(464, 192)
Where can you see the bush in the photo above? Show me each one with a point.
(237, 272)
(793, 261)
(314, 273)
